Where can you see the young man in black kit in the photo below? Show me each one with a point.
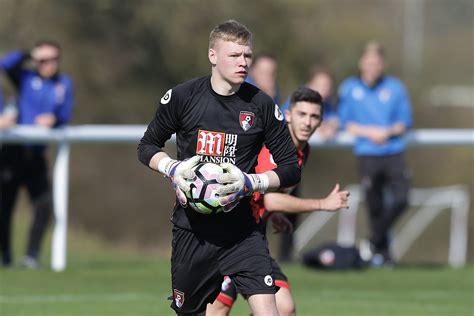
(221, 119)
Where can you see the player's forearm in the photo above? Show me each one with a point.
(155, 160)
(282, 202)
(13, 60)
(273, 180)
(45, 120)
(7, 121)
(397, 129)
(357, 130)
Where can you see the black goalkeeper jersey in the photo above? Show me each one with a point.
(221, 129)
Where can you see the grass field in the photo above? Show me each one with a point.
(104, 281)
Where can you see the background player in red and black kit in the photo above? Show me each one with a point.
(221, 119)
(304, 116)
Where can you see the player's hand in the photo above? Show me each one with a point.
(378, 135)
(335, 200)
(181, 175)
(237, 184)
(45, 120)
(280, 223)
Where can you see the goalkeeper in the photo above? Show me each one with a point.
(221, 119)
(304, 116)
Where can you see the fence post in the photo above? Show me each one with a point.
(60, 198)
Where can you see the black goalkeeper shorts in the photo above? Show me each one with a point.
(228, 294)
(199, 266)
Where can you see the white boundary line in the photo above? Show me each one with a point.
(73, 298)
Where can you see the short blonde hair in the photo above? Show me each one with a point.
(374, 47)
(230, 30)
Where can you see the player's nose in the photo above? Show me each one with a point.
(242, 61)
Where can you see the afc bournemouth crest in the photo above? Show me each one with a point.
(178, 297)
(246, 119)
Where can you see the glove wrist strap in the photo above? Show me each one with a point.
(260, 182)
(166, 166)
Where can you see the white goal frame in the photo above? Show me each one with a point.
(431, 202)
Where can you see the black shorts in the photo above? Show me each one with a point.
(199, 266)
(228, 294)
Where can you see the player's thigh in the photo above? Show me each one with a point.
(37, 181)
(248, 263)
(284, 298)
(398, 176)
(281, 280)
(195, 276)
(227, 295)
(263, 304)
(285, 302)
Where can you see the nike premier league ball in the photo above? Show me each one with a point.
(202, 196)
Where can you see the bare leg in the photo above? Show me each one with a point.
(217, 309)
(263, 305)
(285, 302)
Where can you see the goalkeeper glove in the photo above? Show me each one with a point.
(237, 184)
(181, 174)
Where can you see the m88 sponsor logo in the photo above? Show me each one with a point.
(216, 147)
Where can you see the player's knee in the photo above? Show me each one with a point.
(285, 303)
(217, 309)
(288, 309)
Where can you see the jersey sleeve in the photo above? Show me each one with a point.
(63, 111)
(280, 145)
(12, 64)
(164, 124)
(404, 113)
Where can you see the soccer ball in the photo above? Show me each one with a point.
(202, 196)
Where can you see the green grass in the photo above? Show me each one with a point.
(101, 280)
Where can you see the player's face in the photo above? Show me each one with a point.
(231, 61)
(264, 74)
(303, 119)
(321, 83)
(371, 67)
(46, 60)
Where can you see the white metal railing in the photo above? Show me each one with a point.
(66, 136)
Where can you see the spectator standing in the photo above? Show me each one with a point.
(45, 98)
(320, 79)
(376, 109)
(263, 74)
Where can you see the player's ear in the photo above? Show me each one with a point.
(212, 56)
(288, 115)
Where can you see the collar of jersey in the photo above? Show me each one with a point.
(220, 96)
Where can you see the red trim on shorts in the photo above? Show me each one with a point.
(225, 299)
(281, 283)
